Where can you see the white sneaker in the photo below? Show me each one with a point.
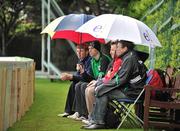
(80, 118)
(65, 114)
(74, 116)
(87, 122)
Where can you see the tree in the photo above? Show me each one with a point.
(11, 15)
(164, 15)
(95, 7)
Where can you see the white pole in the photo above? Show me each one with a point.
(42, 37)
(152, 56)
(48, 41)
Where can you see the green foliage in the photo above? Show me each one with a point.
(138, 8)
(92, 1)
(119, 6)
(25, 28)
(170, 54)
(11, 15)
(164, 16)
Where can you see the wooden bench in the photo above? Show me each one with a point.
(161, 114)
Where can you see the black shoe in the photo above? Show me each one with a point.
(95, 126)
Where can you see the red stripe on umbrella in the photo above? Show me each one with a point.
(76, 36)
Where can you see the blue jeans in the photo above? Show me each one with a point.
(100, 107)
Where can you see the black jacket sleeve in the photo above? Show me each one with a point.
(119, 80)
(88, 76)
(104, 65)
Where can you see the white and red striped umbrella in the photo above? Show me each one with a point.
(65, 27)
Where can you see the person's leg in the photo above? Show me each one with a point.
(99, 110)
(80, 105)
(90, 98)
(69, 101)
(70, 98)
(76, 102)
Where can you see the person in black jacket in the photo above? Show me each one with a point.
(84, 62)
(129, 82)
(111, 72)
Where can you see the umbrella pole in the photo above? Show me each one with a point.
(152, 56)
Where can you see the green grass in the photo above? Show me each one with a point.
(49, 99)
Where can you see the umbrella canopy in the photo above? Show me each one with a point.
(64, 27)
(118, 27)
(50, 28)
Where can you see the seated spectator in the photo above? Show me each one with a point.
(113, 67)
(84, 62)
(99, 64)
(128, 83)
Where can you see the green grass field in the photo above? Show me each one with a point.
(49, 100)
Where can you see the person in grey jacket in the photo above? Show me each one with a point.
(128, 83)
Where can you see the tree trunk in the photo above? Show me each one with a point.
(3, 45)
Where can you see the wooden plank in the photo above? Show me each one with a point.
(26, 93)
(29, 87)
(23, 93)
(167, 105)
(7, 98)
(1, 97)
(13, 102)
(33, 78)
(146, 107)
(164, 124)
(18, 92)
(3, 94)
(31, 83)
(21, 103)
(15, 96)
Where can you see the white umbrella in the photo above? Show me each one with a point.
(118, 27)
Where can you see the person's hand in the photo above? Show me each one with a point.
(108, 74)
(92, 83)
(66, 76)
(81, 69)
(63, 76)
(77, 67)
(69, 76)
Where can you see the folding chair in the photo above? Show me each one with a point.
(126, 105)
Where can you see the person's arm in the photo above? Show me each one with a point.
(84, 72)
(88, 74)
(104, 65)
(119, 80)
(76, 77)
(66, 76)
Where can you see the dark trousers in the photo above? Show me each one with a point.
(70, 98)
(80, 101)
(99, 110)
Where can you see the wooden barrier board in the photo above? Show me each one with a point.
(16, 91)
